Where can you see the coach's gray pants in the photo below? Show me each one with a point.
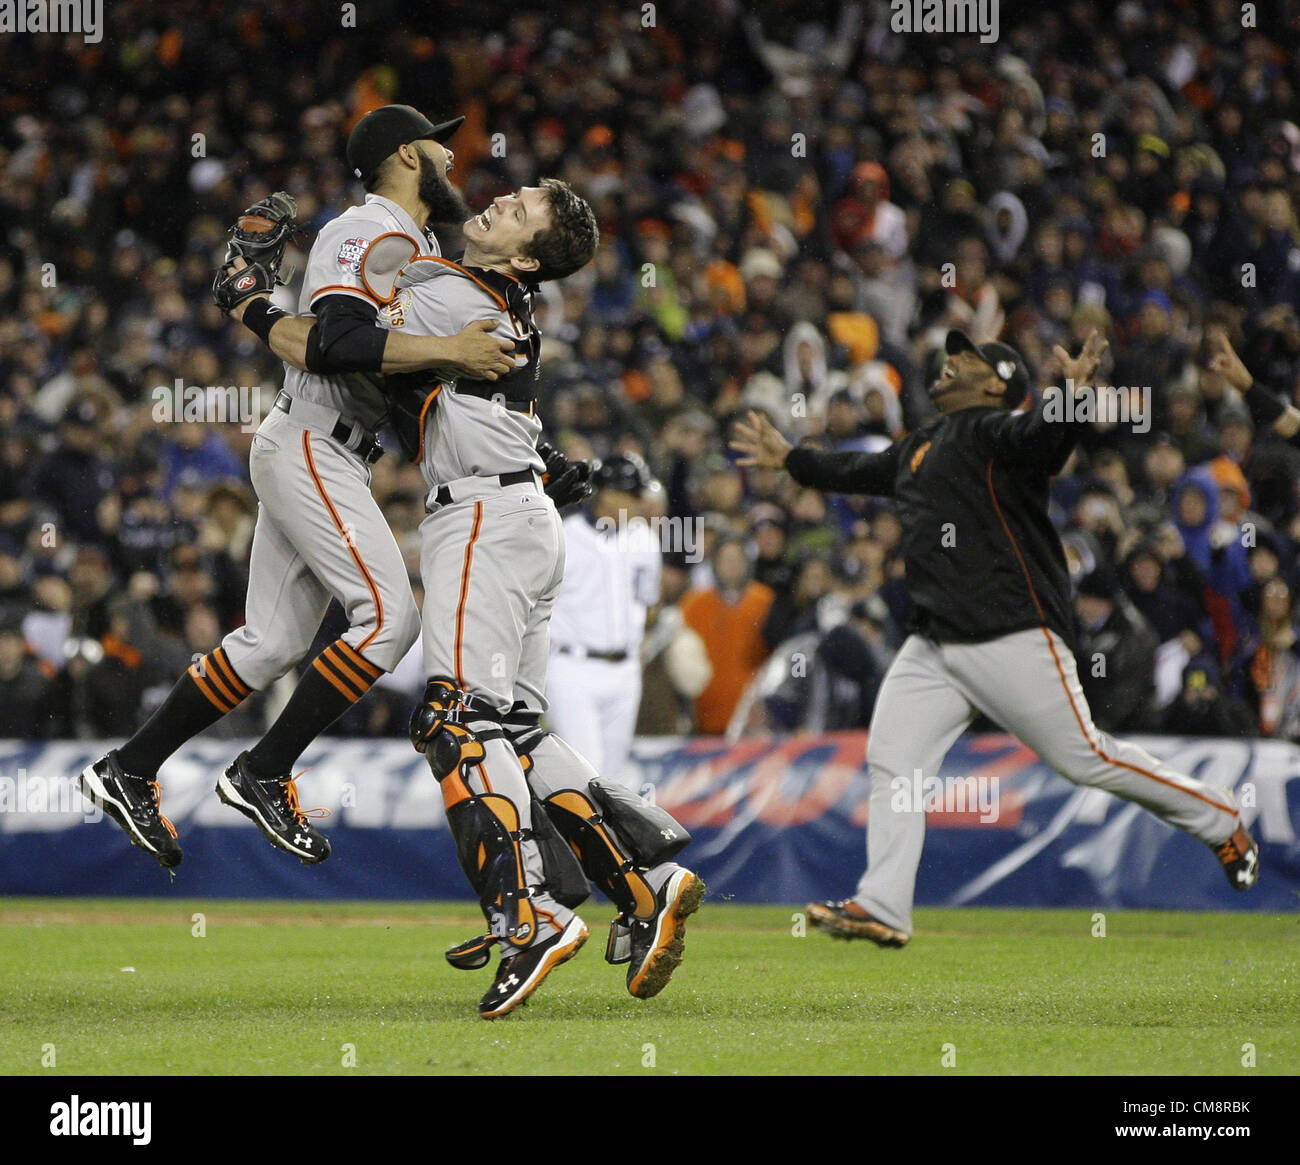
(1026, 683)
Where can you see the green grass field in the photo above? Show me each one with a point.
(282, 987)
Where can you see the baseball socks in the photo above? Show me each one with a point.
(336, 680)
(202, 696)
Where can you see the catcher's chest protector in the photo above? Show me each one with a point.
(466, 427)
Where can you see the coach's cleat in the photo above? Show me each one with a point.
(520, 975)
(135, 804)
(657, 944)
(271, 803)
(847, 919)
(471, 954)
(1239, 856)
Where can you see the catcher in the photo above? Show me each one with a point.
(319, 534)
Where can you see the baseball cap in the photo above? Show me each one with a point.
(1002, 358)
(383, 130)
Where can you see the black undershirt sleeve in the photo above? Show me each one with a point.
(847, 473)
(345, 337)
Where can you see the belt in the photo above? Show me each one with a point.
(585, 653)
(485, 391)
(353, 437)
(444, 497)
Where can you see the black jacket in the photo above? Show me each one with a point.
(982, 558)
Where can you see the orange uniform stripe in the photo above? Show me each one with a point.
(213, 675)
(464, 591)
(223, 662)
(336, 662)
(360, 292)
(358, 660)
(212, 697)
(356, 556)
(1060, 672)
(344, 690)
(424, 412)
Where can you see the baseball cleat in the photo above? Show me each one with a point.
(659, 942)
(847, 919)
(1239, 856)
(271, 803)
(135, 804)
(520, 975)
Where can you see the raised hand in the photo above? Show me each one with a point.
(1080, 368)
(757, 438)
(1225, 361)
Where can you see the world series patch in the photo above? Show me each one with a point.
(350, 254)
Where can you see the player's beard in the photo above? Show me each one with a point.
(440, 196)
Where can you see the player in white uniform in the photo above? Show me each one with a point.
(319, 533)
(611, 580)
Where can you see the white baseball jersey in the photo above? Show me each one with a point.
(334, 267)
(611, 579)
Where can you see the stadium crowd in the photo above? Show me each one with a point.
(796, 203)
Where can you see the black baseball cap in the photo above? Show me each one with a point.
(383, 130)
(1002, 358)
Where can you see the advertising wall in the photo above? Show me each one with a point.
(775, 819)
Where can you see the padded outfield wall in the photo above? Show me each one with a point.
(775, 819)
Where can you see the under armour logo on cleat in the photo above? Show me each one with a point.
(506, 984)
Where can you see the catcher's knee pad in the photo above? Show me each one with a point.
(488, 839)
(615, 839)
(441, 727)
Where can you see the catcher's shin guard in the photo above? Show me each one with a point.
(488, 838)
(611, 836)
(653, 835)
(486, 826)
(564, 881)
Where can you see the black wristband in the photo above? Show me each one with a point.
(260, 317)
(1264, 406)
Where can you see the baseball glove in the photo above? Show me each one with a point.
(259, 237)
(566, 482)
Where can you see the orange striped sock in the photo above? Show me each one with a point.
(208, 690)
(336, 680)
